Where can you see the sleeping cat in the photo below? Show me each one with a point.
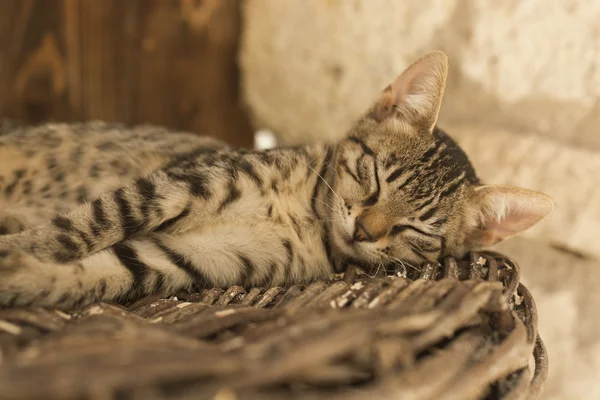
(96, 212)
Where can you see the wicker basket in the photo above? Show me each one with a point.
(465, 330)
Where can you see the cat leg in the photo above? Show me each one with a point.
(117, 274)
(159, 264)
(182, 197)
(185, 198)
(133, 210)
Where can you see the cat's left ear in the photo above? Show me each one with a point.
(504, 211)
(416, 95)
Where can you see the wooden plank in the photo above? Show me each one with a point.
(170, 63)
(32, 77)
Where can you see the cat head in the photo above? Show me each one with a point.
(404, 190)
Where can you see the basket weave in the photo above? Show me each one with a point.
(465, 330)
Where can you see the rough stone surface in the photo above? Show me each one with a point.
(312, 66)
(559, 59)
(309, 69)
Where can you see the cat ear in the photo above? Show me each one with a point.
(416, 95)
(504, 211)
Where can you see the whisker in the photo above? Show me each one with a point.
(403, 264)
(328, 220)
(380, 264)
(327, 205)
(323, 179)
(404, 272)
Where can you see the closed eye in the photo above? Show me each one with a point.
(371, 200)
(349, 171)
(397, 229)
(418, 246)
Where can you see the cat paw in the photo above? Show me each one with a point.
(20, 280)
(11, 261)
(10, 224)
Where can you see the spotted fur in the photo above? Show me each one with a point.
(94, 211)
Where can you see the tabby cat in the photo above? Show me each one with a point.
(94, 212)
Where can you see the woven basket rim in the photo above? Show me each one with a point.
(216, 324)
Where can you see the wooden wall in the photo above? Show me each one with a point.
(168, 62)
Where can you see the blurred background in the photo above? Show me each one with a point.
(523, 99)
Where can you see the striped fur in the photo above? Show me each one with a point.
(97, 212)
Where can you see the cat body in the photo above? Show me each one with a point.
(95, 211)
(162, 219)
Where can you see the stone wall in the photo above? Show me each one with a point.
(531, 65)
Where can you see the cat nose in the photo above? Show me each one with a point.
(361, 234)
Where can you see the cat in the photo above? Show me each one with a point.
(97, 212)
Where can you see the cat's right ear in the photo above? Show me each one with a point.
(416, 95)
